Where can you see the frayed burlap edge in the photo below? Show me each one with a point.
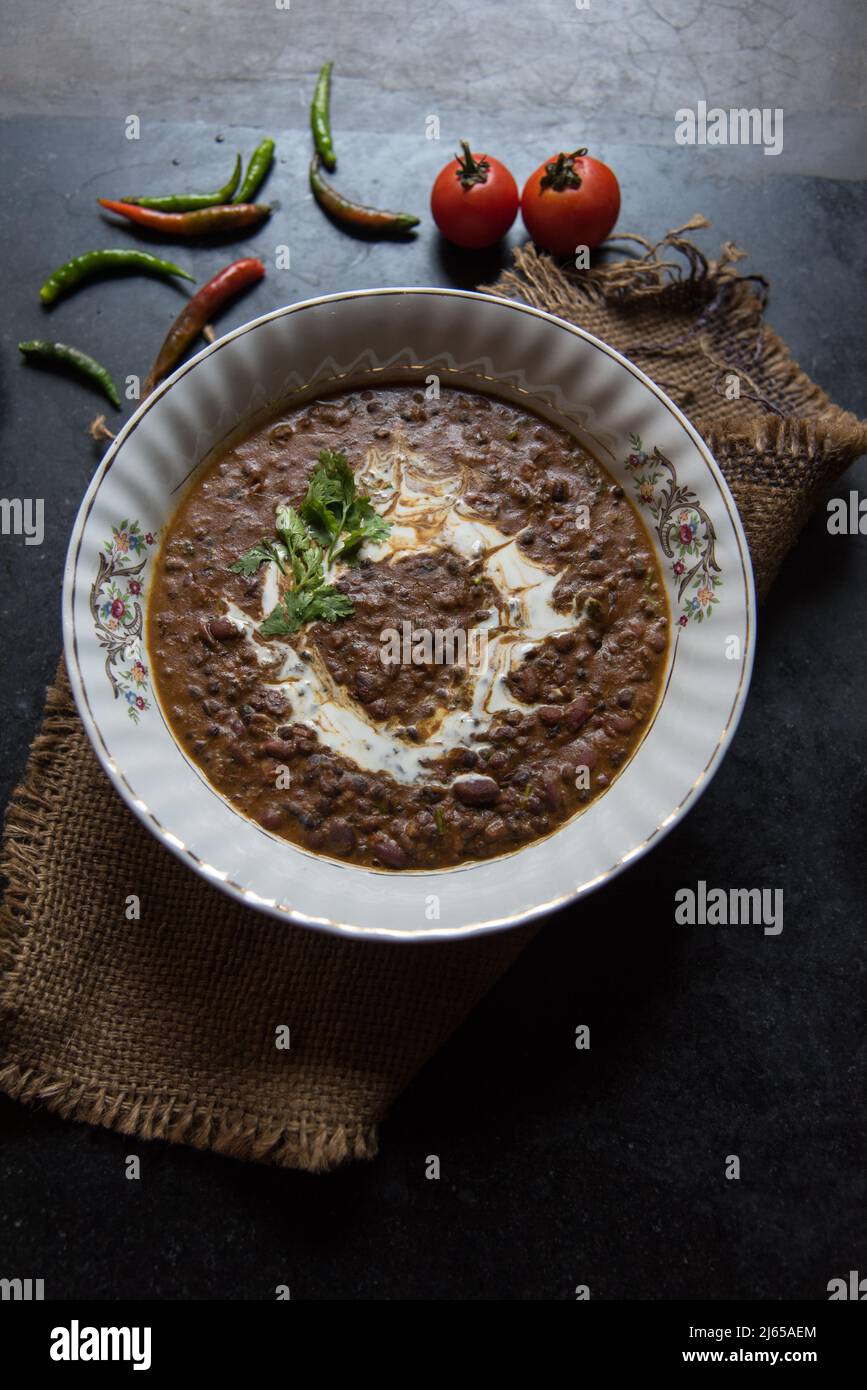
(717, 292)
(26, 830)
(781, 417)
(315, 1150)
(26, 837)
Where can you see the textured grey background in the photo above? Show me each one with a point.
(559, 1167)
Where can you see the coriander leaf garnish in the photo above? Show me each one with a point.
(333, 508)
(259, 555)
(330, 495)
(292, 529)
(332, 523)
(300, 606)
(305, 554)
(363, 524)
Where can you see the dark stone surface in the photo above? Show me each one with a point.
(559, 1167)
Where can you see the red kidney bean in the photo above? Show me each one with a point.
(476, 791)
(276, 748)
(496, 829)
(620, 723)
(225, 629)
(578, 712)
(303, 731)
(272, 702)
(367, 686)
(388, 851)
(551, 791)
(585, 754)
(527, 683)
(340, 837)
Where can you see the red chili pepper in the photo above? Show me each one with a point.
(196, 313)
(224, 217)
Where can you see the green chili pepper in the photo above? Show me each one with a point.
(320, 117)
(260, 163)
(188, 202)
(356, 215)
(40, 351)
(67, 276)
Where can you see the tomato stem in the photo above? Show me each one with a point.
(471, 171)
(560, 172)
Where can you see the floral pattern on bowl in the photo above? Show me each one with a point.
(117, 613)
(686, 532)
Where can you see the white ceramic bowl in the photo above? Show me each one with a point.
(472, 340)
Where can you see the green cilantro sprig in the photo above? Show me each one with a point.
(331, 524)
(334, 508)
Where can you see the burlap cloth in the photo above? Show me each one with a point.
(165, 1027)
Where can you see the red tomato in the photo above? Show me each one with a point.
(474, 200)
(571, 201)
